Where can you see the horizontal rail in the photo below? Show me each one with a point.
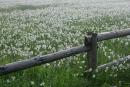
(113, 34)
(114, 63)
(20, 65)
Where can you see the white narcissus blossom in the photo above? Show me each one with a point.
(8, 81)
(42, 84)
(32, 82)
(93, 75)
(13, 78)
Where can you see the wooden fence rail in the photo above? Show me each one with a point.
(115, 63)
(21, 65)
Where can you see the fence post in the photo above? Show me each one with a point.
(91, 42)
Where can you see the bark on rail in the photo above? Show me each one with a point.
(20, 65)
(113, 34)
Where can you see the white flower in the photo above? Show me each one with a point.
(113, 86)
(90, 70)
(83, 62)
(48, 64)
(94, 76)
(96, 70)
(32, 82)
(42, 84)
(115, 75)
(126, 44)
(109, 57)
(106, 69)
(80, 67)
(8, 81)
(13, 78)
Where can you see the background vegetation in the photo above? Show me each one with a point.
(38, 29)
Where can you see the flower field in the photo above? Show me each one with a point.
(38, 27)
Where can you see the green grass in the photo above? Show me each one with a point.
(24, 37)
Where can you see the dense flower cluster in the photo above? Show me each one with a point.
(60, 24)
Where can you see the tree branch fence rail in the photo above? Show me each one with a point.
(90, 46)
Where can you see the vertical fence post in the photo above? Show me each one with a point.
(91, 42)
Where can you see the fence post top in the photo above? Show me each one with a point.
(91, 33)
(88, 38)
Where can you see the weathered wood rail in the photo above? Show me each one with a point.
(89, 46)
(115, 63)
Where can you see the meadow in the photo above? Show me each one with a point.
(35, 28)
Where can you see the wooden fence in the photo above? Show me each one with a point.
(90, 46)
